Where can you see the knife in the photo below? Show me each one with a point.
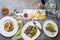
(38, 27)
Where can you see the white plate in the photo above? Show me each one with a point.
(25, 37)
(29, 11)
(47, 32)
(5, 33)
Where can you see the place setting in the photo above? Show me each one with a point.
(29, 20)
(12, 26)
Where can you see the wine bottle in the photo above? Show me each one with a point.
(43, 2)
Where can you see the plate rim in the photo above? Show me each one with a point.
(35, 36)
(55, 26)
(15, 22)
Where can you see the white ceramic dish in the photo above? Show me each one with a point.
(24, 36)
(47, 32)
(2, 30)
(33, 11)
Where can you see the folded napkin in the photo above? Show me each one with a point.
(20, 25)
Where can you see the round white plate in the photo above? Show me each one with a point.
(5, 33)
(47, 32)
(25, 37)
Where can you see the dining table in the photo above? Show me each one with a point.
(21, 5)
